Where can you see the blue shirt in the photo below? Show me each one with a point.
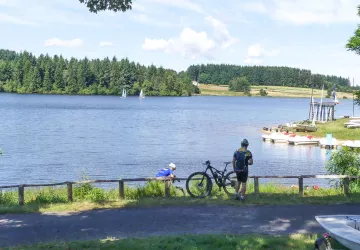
(164, 172)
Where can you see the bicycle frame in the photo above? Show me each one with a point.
(214, 170)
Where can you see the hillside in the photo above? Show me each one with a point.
(222, 74)
(274, 91)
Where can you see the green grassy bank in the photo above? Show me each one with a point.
(206, 242)
(336, 128)
(87, 197)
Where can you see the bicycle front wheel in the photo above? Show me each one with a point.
(199, 185)
(229, 183)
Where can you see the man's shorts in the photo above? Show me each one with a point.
(242, 176)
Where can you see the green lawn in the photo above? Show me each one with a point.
(336, 128)
(193, 242)
(152, 194)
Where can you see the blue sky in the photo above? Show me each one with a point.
(309, 34)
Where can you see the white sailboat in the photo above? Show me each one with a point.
(142, 95)
(123, 93)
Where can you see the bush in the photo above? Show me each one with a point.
(345, 162)
(82, 190)
(240, 84)
(263, 92)
(96, 194)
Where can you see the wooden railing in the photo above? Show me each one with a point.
(167, 183)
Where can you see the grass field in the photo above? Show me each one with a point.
(336, 128)
(273, 91)
(192, 242)
(152, 194)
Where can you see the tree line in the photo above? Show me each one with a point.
(266, 75)
(25, 73)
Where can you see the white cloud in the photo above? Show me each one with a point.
(257, 7)
(63, 43)
(182, 4)
(221, 33)
(257, 53)
(190, 44)
(193, 44)
(257, 50)
(302, 12)
(106, 44)
(5, 18)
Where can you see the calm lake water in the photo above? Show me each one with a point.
(57, 138)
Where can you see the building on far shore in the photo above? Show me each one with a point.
(195, 83)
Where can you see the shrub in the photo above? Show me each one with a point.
(263, 92)
(240, 84)
(345, 162)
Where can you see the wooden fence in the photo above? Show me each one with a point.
(167, 182)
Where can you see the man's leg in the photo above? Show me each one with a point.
(243, 185)
(237, 186)
(243, 189)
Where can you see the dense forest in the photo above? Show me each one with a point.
(26, 73)
(265, 75)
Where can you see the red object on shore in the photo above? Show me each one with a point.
(316, 187)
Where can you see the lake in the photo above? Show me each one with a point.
(48, 138)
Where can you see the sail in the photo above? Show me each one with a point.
(141, 94)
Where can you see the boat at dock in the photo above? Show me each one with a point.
(343, 228)
(303, 140)
(351, 144)
(279, 137)
(329, 143)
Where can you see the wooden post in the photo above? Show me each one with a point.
(167, 188)
(70, 192)
(21, 195)
(301, 187)
(256, 185)
(346, 186)
(121, 190)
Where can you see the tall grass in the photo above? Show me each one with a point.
(85, 192)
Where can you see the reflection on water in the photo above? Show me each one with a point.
(57, 138)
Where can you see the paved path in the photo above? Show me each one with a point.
(136, 222)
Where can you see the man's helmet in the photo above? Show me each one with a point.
(172, 166)
(244, 143)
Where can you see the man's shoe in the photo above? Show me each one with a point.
(242, 198)
(236, 197)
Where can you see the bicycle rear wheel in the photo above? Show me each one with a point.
(199, 185)
(229, 183)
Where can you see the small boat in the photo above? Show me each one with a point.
(265, 137)
(329, 143)
(305, 128)
(142, 95)
(303, 140)
(123, 94)
(279, 137)
(343, 228)
(351, 144)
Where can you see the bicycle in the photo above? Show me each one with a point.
(223, 180)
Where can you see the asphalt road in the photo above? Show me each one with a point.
(170, 220)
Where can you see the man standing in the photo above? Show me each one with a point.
(241, 160)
